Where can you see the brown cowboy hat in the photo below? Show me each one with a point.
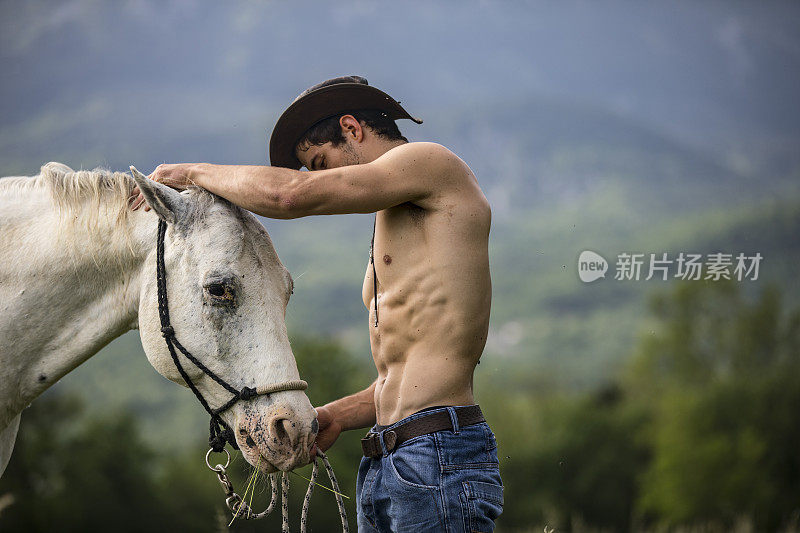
(342, 95)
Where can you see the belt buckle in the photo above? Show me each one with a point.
(371, 445)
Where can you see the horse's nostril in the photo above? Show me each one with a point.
(286, 432)
(280, 431)
(250, 442)
(314, 426)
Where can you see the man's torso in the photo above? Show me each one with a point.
(434, 296)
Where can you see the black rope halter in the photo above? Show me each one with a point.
(219, 432)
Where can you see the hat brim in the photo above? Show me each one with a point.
(319, 105)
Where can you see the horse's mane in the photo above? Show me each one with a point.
(70, 190)
(94, 200)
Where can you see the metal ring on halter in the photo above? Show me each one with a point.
(217, 468)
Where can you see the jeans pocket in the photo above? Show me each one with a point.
(416, 466)
(481, 504)
(411, 483)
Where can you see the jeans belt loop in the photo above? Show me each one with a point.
(375, 444)
(453, 419)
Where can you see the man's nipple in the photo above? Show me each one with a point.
(387, 259)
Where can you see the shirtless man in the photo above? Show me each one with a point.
(430, 459)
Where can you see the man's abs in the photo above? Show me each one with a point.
(434, 294)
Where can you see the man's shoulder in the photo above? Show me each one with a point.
(423, 150)
(449, 178)
(426, 147)
(429, 158)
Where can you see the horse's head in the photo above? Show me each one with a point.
(227, 295)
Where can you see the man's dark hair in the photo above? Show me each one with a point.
(329, 130)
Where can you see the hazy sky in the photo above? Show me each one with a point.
(693, 68)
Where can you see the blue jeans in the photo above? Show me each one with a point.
(448, 482)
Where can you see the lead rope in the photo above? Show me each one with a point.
(374, 274)
(241, 509)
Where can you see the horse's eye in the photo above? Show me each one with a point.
(221, 292)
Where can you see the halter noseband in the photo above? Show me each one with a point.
(219, 432)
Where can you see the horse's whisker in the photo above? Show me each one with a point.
(249, 485)
(318, 485)
(254, 478)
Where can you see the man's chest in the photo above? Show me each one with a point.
(399, 249)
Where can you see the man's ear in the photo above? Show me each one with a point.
(168, 203)
(351, 127)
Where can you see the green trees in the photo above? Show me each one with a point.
(720, 381)
(569, 460)
(72, 478)
(701, 429)
(75, 472)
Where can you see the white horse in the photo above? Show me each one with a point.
(78, 268)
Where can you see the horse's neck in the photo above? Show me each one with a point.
(65, 292)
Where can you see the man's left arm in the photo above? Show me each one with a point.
(408, 173)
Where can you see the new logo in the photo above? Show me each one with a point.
(591, 266)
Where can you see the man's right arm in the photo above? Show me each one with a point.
(356, 411)
(409, 173)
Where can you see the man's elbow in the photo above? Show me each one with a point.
(282, 204)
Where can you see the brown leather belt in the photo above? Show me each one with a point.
(436, 421)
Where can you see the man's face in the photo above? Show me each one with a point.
(320, 157)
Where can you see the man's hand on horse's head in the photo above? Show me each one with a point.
(176, 176)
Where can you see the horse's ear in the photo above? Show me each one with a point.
(165, 201)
